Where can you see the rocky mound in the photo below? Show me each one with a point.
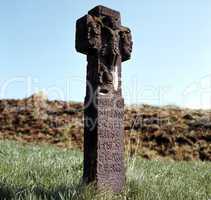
(153, 132)
(181, 134)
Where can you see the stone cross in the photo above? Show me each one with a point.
(107, 44)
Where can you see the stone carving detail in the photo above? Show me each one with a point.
(101, 34)
(107, 44)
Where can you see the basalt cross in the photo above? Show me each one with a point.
(107, 44)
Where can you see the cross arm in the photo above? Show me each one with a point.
(88, 35)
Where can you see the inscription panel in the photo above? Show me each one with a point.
(110, 142)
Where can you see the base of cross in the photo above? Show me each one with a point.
(104, 143)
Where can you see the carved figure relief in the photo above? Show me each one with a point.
(94, 34)
(108, 41)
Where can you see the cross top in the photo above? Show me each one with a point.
(100, 36)
(101, 31)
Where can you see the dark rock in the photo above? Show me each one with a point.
(183, 140)
(188, 117)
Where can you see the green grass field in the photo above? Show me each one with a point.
(45, 172)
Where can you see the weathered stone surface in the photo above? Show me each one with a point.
(100, 36)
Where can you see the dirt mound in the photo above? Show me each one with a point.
(181, 134)
(153, 132)
(36, 119)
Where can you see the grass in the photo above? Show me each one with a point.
(45, 172)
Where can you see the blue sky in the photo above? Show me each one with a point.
(170, 64)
